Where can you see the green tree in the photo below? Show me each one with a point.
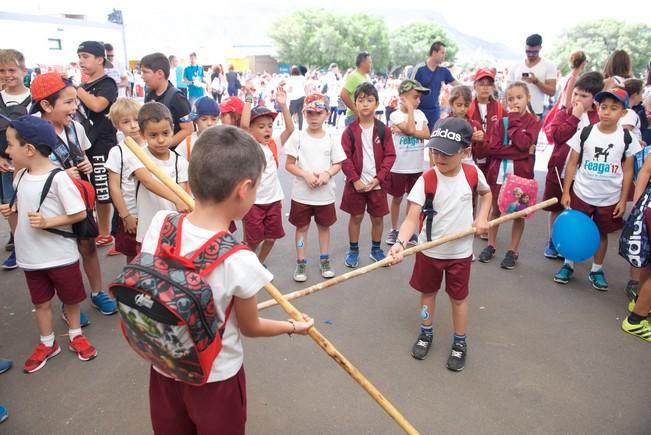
(317, 37)
(410, 44)
(599, 38)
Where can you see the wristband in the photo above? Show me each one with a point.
(401, 243)
(124, 217)
(248, 99)
(293, 328)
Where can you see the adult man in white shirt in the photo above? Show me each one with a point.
(118, 72)
(539, 74)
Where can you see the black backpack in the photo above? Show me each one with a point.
(585, 133)
(12, 112)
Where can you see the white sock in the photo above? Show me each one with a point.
(596, 267)
(93, 294)
(570, 263)
(72, 333)
(48, 340)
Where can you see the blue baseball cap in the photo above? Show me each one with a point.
(616, 94)
(204, 106)
(34, 130)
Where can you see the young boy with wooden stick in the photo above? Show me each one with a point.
(442, 200)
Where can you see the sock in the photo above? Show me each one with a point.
(375, 245)
(635, 319)
(94, 294)
(303, 261)
(354, 246)
(596, 267)
(570, 263)
(48, 340)
(72, 333)
(461, 339)
(427, 330)
(323, 257)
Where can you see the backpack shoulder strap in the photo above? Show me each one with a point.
(628, 139)
(47, 186)
(428, 212)
(274, 150)
(351, 137)
(380, 127)
(505, 122)
(500, 110)
(15, 195)
(472, 109)
(585, 133)
(470, 171)
(2, 102)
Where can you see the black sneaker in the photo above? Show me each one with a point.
(457, 358)
(510, 259)
(420, 349)
(486, 254)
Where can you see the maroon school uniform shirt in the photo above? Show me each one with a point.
(384, 155)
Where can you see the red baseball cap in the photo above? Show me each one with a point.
(45, 85)
(232, 105)
(484, 72)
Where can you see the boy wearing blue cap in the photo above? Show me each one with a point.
(204, 115)
(46, 199)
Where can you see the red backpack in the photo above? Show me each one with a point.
(167, 309)
(431, 182)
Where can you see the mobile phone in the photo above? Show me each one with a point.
(525, 74)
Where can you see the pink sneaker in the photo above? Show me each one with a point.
(39, 357)
(103, 240)
(80, 345)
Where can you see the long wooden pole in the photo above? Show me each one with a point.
(320, 340)
(411, 251)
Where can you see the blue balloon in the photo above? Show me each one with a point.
(575, 235)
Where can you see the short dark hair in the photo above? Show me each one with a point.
(222, 157)
(534, 40)
(366, 89)
(153, 112)
(108, 47)
(171, 57)
(295, 71)
(155, 62)
(436, 46)
(592, 82)
(633, 86)
(361, 57)
(193, 54)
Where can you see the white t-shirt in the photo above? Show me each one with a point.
(84, 142)
(543, 70)
(599, 177)
(296, 87)
(483, 112)
(632, 118)
(369, 170)
(12, 100)
(409, 149)
(148, 203)
(36, 248)
(334, 87)
(122, 163)
(269, 190)
(240, 275)
(453, 204)
(314, 155)
(182, 149)
(116, 73)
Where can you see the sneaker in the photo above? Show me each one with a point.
(104, 303)
(326, 269)
(299, 272)
(113, 252)
(10, 262)
(550, 250)
(420, 349)
(413, 241)
(39, 357)
(352, 258)
(82, 347)
(486, 254)
(632, 288)
(457, 358)
(392, 238)
(564, 275)
(83, 318)
(5, 364)
(104, 240)
(643, 330)
(3, 414)
(377, 255)
(598, 280)
(510, 260)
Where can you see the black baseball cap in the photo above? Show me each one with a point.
(450, 136)
(260, 111)
(95, 48)
(34, 130)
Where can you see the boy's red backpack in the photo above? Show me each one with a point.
(167, 309)
(431, 182)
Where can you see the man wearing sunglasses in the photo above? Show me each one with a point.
(538, 73)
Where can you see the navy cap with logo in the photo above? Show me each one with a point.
(95, 48)
(450, 136)
(260, 111)
(34, 130)
(204, 106)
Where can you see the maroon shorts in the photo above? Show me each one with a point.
(263, 222)
(553, 190)
(602, 216)
(356, 203)
(125, 243)
(428, 276)
(301, 214)
(66, 281)
(177, 408)
(399, 184)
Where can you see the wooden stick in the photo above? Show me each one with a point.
(289, 308)
(411, 251)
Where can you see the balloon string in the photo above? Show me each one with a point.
(559, 179)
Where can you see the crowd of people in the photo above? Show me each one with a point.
(461, 154)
